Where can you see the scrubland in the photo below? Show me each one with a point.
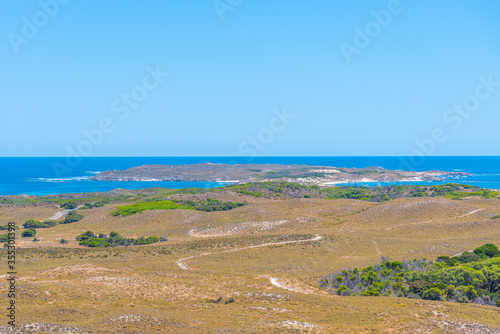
(142, 289)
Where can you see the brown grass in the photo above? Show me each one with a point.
(141, 289)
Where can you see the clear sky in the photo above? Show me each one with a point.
(355, 77)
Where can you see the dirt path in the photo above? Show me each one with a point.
(279, 283)
(376, 247)
(62, 213)
(181, 263)
(274, 280)
(474, 211)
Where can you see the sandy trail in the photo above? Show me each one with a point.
(274, 281)
(474, 211)
(376, 247)
(181, 263)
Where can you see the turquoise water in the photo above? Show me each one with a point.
(37, 176)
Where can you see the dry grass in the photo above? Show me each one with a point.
(141, 289)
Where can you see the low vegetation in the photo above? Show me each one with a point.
(472, 277)
(36, 224)
(6, 227)
(373, 194)
(161, 204)
(114, 239)
(132, 209)
(30, 232)
(69, 205)
(72, 217)
(69, 201)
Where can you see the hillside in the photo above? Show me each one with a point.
(253, 268)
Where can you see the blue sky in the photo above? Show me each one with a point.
(228, 78)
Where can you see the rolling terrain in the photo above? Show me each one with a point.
(252, 269)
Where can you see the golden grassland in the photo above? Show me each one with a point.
(141, 289)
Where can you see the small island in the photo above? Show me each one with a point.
(243, 173)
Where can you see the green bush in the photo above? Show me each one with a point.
(31, 232)
(488, 250)
(208, 206)
(433, 294)
(50, 223)
(6, 227)
(468, 257)
(69, 205)
(35, 224)
(472, 277)
(89, 239)
(72, 217)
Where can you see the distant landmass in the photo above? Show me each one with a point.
(243, 173)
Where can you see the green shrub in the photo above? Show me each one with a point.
(35, 224)
(89, 239)
(488, 250)
(433, 294)
(474, 277)
(69, 205)
(72, 217)
(50, 223)
(6, 227)
(469, 257)
(31, 232)
(208, 206)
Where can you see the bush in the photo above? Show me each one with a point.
(31, 232)
(474, 277)
(496, 217)
(418, 287)
(69, 205)
(433, 294)
(50, 223)
(6, 227)
(64, 242)
(469, 257)
(488, 250)
(72, 217)
(35, 224)
(89, 239)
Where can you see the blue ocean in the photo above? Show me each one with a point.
(37, 176)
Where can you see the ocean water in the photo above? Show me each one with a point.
(37, 176)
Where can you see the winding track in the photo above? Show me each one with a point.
(181, 263)
(274, 281)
